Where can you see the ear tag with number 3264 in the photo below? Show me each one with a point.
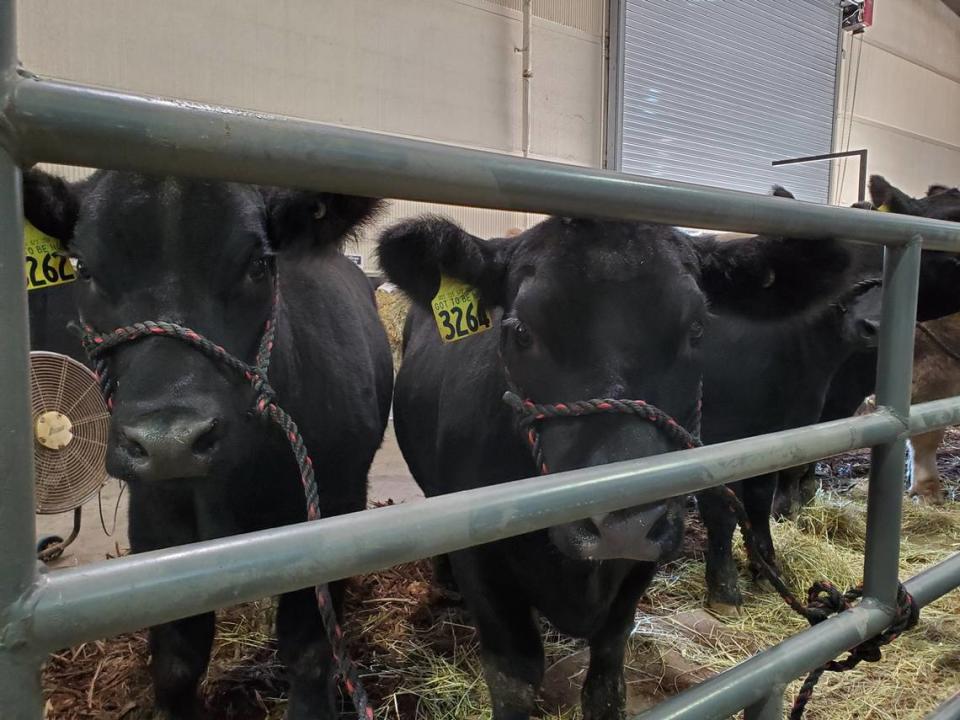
(458, 310)
(46, 265)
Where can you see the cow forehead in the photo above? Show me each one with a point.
(942, 206)
(594, 262)
(623, 315)
(167, 220)
(605, 250)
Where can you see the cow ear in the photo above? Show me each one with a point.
(311, 220)
(414, 254)
(769, 277)
(51, 204)
(886, 197)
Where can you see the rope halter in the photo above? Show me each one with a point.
(530, 414)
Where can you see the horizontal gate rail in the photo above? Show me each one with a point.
(950, 710)
(743, 685)
(72, 124)
(52, 121)
(81, 604)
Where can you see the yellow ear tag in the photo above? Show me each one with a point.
(46, 265)
(884, 208)
(458, 310)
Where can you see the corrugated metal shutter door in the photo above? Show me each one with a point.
(716, 90)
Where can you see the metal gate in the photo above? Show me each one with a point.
(60, 122)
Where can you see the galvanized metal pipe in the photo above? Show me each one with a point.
(769, 707)
(102, 599)
(901, 278)
(934, 415)
(526, 75)
(950, 710)
(936, 581)
(19, 662)
(749, 682)
(77, 125)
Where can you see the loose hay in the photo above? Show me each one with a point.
(418, 653)
(393, 308)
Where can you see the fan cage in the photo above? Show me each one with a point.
(67, 478)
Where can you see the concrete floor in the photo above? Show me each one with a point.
(389, 480)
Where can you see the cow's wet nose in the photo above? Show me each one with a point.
(163, 446)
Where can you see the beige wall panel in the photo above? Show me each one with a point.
(903, 104)
(446, 70)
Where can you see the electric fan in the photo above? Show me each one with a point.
(70, 424)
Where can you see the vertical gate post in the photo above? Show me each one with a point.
(901, 276)
(19, 668)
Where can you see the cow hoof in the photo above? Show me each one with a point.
(727, 610)
(934, 499)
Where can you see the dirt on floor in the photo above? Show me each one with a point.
(418, 653)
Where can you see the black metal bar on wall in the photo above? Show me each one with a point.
(862, 154)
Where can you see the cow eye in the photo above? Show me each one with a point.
(522, 336)
(258, 270)
(80, 268)
(696, 332)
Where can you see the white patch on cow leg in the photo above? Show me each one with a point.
(926, 485)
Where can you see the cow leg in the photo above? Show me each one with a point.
(307, 655)
(808, 484)
(604, 691)
(180, 651)
(511, 649)
(444, 580)
(927, 486)
(786, 500)
(757, 498)
(723, 593)
(161, 517)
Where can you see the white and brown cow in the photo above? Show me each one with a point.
(936, 375)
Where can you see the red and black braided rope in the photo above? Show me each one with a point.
(530, 413)
(98, 347)
(823, 598)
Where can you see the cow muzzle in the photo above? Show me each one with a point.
(645, 534)
(164, 445)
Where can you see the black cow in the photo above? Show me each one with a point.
(199, 463)
(938, 296)
(763, 377)
(583, 309)
(51, 310)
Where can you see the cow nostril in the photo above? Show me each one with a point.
(132, 447)
(207, 439)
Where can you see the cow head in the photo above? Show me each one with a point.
(197, 253)
(939, 271)
(858, 311)
(607, 309)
